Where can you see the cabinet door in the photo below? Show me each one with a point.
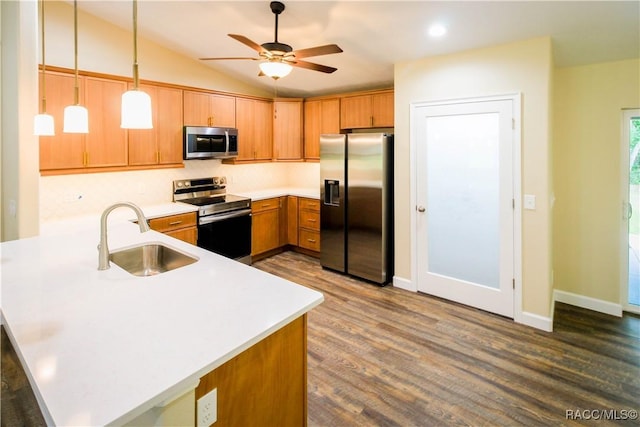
(189, 235)
(106, 142)
(265, 228)
(287, 130)
(382, 110)
(312, 129)
(223, 111)
(355, 112)
(64, 150)
(292, 220)
(196, 108)
(169, 125)
(246, 125)
(263, 128)
(143, 147)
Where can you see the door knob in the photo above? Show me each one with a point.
(421, 209)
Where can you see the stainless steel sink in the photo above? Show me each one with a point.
(150, 259)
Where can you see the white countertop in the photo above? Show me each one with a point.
(278, 192)
(102, 347)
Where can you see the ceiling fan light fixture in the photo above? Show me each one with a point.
(275, 69)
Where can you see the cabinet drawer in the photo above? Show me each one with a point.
(173, 222)
(309, 240)
(265, 205)
(310, 204)
(310, 219)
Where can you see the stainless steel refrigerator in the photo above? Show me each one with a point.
(356, 215)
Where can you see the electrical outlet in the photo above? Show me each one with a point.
(207, 409)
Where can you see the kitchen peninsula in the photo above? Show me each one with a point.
(110, 348)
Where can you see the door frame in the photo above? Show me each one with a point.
(625, 116)
(516, 99)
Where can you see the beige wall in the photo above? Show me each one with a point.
(587, 165)
(523, 67)
(19, 105)
(105, 48)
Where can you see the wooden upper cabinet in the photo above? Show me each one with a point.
(163, 144)
(367, 111)
(320, 116)
(106, 142)
(287, 129)
(205, 109)
(63, 150)
(255, 130)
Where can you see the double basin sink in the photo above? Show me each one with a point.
(150, 259)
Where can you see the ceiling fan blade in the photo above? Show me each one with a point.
(312, 66)
(317, 51)
(253, 45)
(216, 59)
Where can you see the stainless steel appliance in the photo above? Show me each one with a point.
(224, 220)
(209, 143)
(356, 215)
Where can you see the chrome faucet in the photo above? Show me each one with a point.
(103, 249)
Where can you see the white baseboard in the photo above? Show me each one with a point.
(589, 303)
(405, 284)
(536, 321)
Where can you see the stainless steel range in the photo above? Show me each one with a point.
(224, 220)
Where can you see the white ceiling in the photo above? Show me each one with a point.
(376, 34)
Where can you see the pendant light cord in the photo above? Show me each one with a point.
(76, 89)
(44, 66)
(135, 44)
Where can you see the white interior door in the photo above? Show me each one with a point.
(465, 202)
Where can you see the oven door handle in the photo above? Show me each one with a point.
(217, 218)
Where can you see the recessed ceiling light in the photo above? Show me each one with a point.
(437, 30)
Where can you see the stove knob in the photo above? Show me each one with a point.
(187, 184)
(215, 181)
(179, 184)
(223, 180)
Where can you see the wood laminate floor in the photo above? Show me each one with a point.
(388, 357)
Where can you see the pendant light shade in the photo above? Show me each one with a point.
(275, 69)
(136, 105)
(43, 125)
(43, 122)
(136, 110)
(76, 117)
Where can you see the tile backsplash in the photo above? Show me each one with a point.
(65, 196)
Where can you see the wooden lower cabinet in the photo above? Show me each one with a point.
(266, 385)
(265, 227)
(181, 226)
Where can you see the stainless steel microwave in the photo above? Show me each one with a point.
(210, 143)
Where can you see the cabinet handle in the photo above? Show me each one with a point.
(371, 121)
(311, 240)
(157, 157)
(311, 220)
(85, 158)
(266, 205)
(175, 223)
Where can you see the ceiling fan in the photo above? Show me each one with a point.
(278, 58)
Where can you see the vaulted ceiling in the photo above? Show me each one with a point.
(376, 34)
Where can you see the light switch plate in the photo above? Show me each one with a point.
(530, 202)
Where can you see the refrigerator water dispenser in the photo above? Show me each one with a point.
(332, 192)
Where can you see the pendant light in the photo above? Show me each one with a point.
(136, 104)
(43, 122)
(76, 117)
